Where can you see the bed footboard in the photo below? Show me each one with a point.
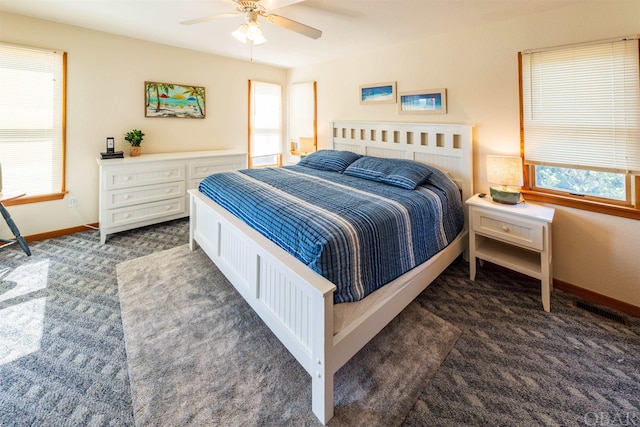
(294, 302)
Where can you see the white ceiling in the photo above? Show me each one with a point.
(348, 25)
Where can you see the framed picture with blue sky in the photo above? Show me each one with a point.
(428, 101)
(378, 93)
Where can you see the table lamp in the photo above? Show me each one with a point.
(506, 171)
(307, 145)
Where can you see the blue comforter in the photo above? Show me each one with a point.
(357, 233)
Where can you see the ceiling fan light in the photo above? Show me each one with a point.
(258, 38)
(241, 33)
(254, 33)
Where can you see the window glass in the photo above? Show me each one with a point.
(302, 117)
(31, 119)
(265, 144)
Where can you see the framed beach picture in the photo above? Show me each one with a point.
(379, 93)
(173, 100)
(428, 101)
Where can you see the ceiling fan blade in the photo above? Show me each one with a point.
(278, 4)
(292, 25)
(209, 18)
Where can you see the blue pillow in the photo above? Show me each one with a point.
(329, 160)
(399, 172)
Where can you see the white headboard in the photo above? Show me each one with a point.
(446, 146)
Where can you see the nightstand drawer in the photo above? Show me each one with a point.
(528, 234)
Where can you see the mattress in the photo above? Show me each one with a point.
(358, 233)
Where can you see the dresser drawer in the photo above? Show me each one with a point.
(522, 232)
(150, 211)
(202, 169)
(145, 194)
(144, 175)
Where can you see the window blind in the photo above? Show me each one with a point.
(31, 119)
(581, 106)
(266, 119)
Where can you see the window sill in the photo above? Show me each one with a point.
(34, 199)
(587, 205)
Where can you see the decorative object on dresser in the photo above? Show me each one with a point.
(144, 190)
(507, 172)
(134, 137)
(517, 237)
(111, 145)
(111, 153)
(427, 101)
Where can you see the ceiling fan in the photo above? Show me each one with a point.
(250, 29)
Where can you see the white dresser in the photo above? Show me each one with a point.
(152, 188)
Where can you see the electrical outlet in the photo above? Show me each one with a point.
(72, 202)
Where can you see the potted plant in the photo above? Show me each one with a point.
(134, 137)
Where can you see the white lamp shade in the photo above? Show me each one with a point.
(504, 170)
(241, 33)
(250, 30)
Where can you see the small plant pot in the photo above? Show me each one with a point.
(134, 151)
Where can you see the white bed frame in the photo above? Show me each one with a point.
(296, 302)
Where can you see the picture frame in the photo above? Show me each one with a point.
(111, 145)
(174, 100)
(426, 101)
(378, 93)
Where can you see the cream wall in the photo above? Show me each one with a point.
(105, 97)
(479, 69)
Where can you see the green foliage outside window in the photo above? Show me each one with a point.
(582, 182)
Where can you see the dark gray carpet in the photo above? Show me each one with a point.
(198, 354)
(513, 365)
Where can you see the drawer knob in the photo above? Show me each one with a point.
(127, 197)
(126, 215)
(505, 228)
(127, 178)
(168, 173)
(168, 190)
(168, 208)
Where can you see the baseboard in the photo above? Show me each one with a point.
(62, 232)
(597, 298)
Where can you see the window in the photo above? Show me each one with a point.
(32, 112)
(265, 124)
(580, 110)
(302, 118)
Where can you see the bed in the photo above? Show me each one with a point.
(296, 302)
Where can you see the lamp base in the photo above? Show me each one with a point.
(505, 196)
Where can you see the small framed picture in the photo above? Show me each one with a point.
(423, 102)
(110, 144)
(378, 93)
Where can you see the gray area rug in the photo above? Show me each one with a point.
(199, 355)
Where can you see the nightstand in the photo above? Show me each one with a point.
(517, 237)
